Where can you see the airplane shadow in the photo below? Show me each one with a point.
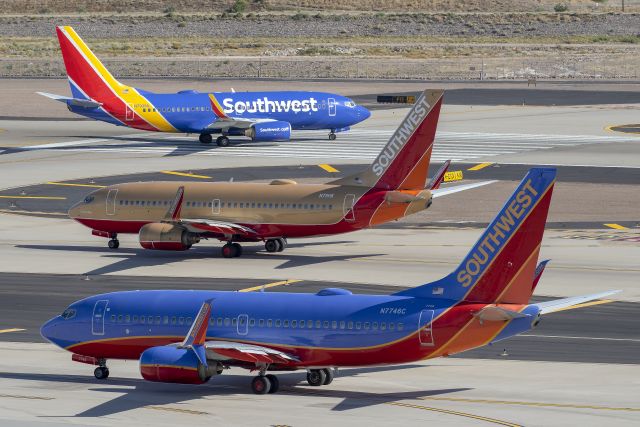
(130, 258)
(138, 393)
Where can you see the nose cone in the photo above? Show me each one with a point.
(74, 210)
(49, 329)
(362, 113)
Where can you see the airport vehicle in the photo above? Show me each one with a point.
(261, 116)
(187, 336)
(175, 215)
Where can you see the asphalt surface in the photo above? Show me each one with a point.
(606, 333)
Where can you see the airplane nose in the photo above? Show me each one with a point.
(363, 113)
(73, 211)
(48, 330)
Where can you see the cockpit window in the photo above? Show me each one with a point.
(349, 104)
(88, 199)
(69, 313)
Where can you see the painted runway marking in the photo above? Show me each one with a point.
(524, 403)
(34, 197)
(190, 175)
(18, 396)
(460, 414)
(480, 166)
(357, 144)
(270, 285)
(616, 226)
(4, 331)
(568, 337)
(180, 410)
(328, 168)
(68, 184)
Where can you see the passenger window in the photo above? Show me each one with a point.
(252, 322)
(285, 324)
(278, 322)
(219, 321)
(350, 325)
(135, 318)
(173, 320)
(150, 320)
(189, 320)
(227, 322)
(127, 318)
(318, 324)
(165, 320)
(259, 205)
(157, 320)
(261, 323)
(294, 323)
(358, 325)
(113, 318)
(181, 321)
(374, 326)
(400, 326)
(119, 318)
(234, 322)
(269, 323)
(392, 326)
(270, 205)
(325, 324)
(383, 326)
(143, 319)
(241, 205)
(334, 325)
(367, 325)
(342, 325)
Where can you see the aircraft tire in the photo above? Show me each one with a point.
(329, 376)
(316, 377)
(205, 138)
(101, 373)
(261, 385)
(222, 141)
(332, 136)
(238, 249)
(229, 251)
(281, 245)
(271, 245)
(114, 244)
(275, 383)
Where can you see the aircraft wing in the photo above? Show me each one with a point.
(561, 304)
(217, 227)
(248, 353)
(439, 192)
(235, 122)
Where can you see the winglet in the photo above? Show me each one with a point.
(538, 273)
(198, 333)
(437, 179)
(173, 214)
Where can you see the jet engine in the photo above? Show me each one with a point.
(269, 131)
(167, 237)
(169, 364)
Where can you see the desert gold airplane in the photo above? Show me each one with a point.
(176, 215)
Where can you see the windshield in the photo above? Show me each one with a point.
(69, 313)
(88, 199)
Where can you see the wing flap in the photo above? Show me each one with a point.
(248, 353)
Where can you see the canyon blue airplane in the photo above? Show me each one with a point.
(187, 336)
(261, 116)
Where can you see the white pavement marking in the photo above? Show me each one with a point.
(360, 144)
(581, 338)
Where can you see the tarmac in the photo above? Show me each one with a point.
(579, 367)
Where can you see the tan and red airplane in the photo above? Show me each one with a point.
(175, 215)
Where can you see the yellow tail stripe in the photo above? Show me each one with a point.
(128, 94)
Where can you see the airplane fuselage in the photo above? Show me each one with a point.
(330, 328)
(279, 209)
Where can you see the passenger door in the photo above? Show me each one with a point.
(97, 320)
(348, 207)
(215, 206)
(243, 324)
(332, 107)
(111, 202)
(129, 116)
(425, 328)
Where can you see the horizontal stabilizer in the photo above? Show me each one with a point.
(400, 197)
(493, 313)
(560, 304)
(76, 102)
(439, 192)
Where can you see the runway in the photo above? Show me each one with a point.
(579, 367)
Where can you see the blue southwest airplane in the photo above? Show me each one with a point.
(186, 336)
(261, 116)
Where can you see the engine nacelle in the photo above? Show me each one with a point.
(169, 364)
(166, 237)
(269, 131)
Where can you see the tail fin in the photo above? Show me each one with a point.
(90, 79)
(500, 268)
(403, 164)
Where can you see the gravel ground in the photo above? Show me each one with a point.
(308, 25)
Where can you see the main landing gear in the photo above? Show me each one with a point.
(205, 138)
(275, 245)
(114, 243)
(264, 384)
(318, 377)
(222, 141)
(332, 136)
(101, 372)
(231, 250)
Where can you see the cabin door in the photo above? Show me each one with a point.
(215, 207)
(425, 328)
(99, 313)
(348, 207)
(332, 107)
(129, 113)
(243, 324)
(111, 202)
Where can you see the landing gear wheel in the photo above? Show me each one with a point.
(230, 250)
(261, 385)
(316, 377)
(272, 245)
(332, 136)
(114, 244)
(282, 243)
(238, 249)
(205, 138)
(329, 376)
(275, 383)
(222, 141)
(101, 372)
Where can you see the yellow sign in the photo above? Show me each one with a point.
(453, 176)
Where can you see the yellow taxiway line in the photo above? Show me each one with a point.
(68, 184)
(34, 197)
(524, 403)
(190, 175)
(460, 414)
(479, 166)
(328, 168)
(4, 331)
(616, 226)
(270, 285)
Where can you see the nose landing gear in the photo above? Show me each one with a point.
(101, 372)
(332, 136)
(114, 243)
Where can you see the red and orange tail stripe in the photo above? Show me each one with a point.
(92, 77)
(217, 108)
